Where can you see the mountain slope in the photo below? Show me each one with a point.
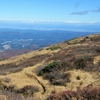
(65, 66)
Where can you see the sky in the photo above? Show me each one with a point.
(51, 10)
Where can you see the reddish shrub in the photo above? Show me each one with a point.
(87, 93)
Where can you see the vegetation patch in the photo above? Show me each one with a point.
(48, 67)
(52, 73)
(28, 89)
(81, 63)
(58, 78)
(71, 39)
(74, 41)
(11, 94)
(53, 48)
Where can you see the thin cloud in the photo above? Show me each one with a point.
(79, 13)
(77, 4)
(97, 10)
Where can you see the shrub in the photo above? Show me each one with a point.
(78, 78)
(81, 63)
(54, 75)
(48, 67)
(57, 78)
(28, 89)
(8, 94)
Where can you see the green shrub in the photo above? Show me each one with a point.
(52, 73)
(53, 48)
(48, 67)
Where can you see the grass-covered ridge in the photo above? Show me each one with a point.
(67, 66)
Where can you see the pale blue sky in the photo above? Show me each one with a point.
(51, 10)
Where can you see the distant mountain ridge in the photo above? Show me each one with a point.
(43, 25)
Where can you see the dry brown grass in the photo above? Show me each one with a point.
(79, 58)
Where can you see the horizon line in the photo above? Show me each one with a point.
(42, 21)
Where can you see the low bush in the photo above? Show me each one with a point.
(28, 89)
(48, 68)
(81, 63)
(57, 78)
(53, 73)
(9, 93)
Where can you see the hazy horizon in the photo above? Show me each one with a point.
(44, 25)
(73, 15)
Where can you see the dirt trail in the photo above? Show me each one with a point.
(34, 77)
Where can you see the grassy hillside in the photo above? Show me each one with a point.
(62, 71)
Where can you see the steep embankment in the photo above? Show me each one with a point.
(65, 66)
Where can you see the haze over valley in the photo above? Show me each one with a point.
(18, 41)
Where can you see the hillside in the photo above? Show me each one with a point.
(45, 73)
